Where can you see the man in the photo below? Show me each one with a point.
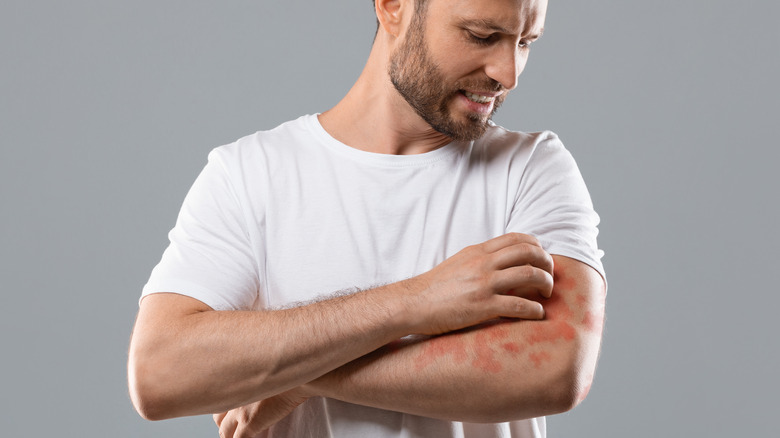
(395, 266)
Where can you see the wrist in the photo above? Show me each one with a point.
(305, 391)
(410, 313)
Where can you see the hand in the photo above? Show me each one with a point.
(482, 282)
(248, 421)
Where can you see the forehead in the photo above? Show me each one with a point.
(520, 17)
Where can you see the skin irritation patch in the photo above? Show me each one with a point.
(486, 355)
(483, 350)
(558, 314)
(446, 345)
(512, 347)
(591, 323)
(491, 342)
(538, 359)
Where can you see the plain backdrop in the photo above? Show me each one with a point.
(108, 110)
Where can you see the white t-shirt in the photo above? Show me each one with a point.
(288, 215)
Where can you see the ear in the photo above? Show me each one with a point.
(390, 14)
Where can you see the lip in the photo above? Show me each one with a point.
(476, 107)
(484, 93)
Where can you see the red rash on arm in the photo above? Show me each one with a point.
(482, 349)
(512, 347)
(440, 346)
(496, 371)
(562, 316)
(539, 358)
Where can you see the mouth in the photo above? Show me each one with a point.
(479, 102)
(478, 98)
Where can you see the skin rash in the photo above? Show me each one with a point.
(493, 337)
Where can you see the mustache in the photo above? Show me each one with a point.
(485, 84)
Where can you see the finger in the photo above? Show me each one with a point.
(515, 307)
(218, 418)
(523, 280)
(244, 431)
(505, 240)
(522, 254)
(228, 427)
(272, 411)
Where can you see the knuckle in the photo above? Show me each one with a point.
(526, 273)
(473, 250)
(524, 251)
(491, 282)
(243, 417)
(525, 238)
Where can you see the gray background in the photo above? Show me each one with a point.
(108, 110)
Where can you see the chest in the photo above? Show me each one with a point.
(328, 230)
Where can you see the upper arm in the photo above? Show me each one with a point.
(571, 333)
(155, 327)
(158, 314)
(211, 254)
(579, 294)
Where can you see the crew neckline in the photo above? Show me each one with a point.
(378, 159)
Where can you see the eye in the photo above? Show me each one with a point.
(480, 39)
(523, 44)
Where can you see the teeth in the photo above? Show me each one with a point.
(477, 98)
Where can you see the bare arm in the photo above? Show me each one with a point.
(503, 371)
(187, 359)
(499, 371)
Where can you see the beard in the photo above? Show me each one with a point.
(420, 82)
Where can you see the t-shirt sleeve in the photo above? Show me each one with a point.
(554, 205)
(210, 255)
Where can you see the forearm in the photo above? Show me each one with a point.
(187, 359)
(207, 361)
(492, 373)
(476, 376)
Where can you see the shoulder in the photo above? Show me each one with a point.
(498, 137)
(281, 134)
(257, 148)
(521, 149)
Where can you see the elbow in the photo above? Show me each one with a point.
(148, 405)
(150, 390)
(561, 392)
(571, 382)
(147, 408)
(146, 400)
(569, 390)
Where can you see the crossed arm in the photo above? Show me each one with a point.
(520, 368)
(486, 304)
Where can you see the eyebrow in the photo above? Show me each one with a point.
(487, 24)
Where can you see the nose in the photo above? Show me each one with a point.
(505, 65)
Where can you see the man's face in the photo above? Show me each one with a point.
(459, 59)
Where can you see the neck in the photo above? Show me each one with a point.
(374, 117)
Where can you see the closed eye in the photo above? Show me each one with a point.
(481, 39)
